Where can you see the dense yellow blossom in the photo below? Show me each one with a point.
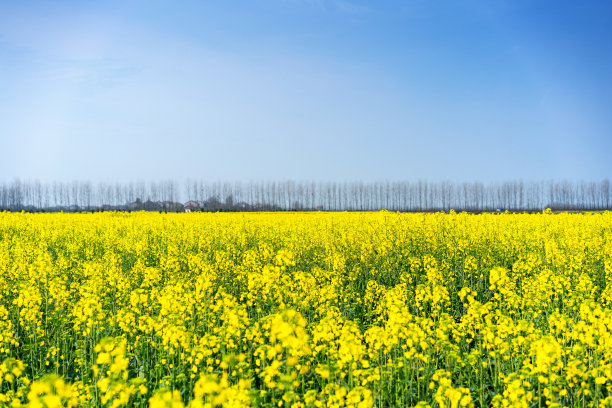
(305, 310)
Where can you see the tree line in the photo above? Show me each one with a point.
(201, 195)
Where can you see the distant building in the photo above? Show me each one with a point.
(193, 206)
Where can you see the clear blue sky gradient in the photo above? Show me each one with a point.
(308, 90)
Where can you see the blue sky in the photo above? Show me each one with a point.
(306, 90)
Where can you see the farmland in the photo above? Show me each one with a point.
(306, 309)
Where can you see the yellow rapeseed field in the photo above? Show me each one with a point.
(305, 310)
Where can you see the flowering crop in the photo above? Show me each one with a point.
(305, 310)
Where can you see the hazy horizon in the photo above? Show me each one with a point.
(305, 90)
